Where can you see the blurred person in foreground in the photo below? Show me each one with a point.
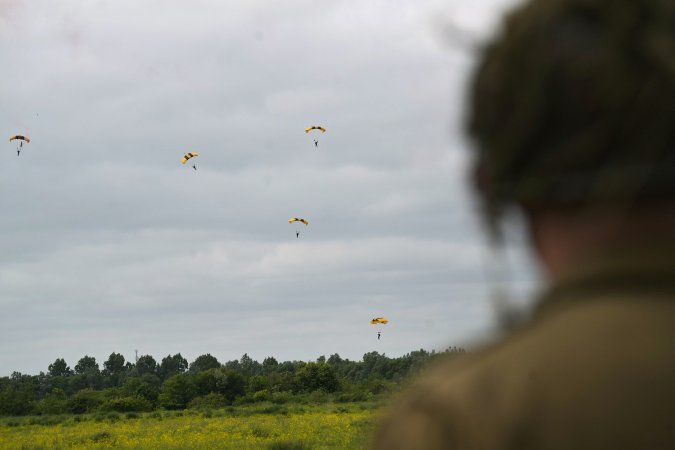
(572, 112)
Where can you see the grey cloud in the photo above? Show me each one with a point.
(110, 244)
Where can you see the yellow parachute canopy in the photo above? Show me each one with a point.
(19, 137)
(379, 320)
(308, 129)
(298, 219)
(188, 156)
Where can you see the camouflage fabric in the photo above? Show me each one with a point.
(594, 369)
(574, 105)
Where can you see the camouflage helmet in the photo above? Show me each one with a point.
(574, 105)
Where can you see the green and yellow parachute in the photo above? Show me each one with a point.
(188, 156)
(20, 138)
(315, 127)
(298, 219)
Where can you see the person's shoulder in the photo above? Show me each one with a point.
(460, 395)
(563, 367)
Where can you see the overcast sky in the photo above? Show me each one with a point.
(109, 244)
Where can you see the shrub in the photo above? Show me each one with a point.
(86, 400)
(47, 421)
(126, 404)
(177, 392)
(52, 404)
(315, 376)
(113, 416)
(319, 397)
(262, 396)
(209, 401)
(350, 397)
(243, 400)
(281, 397)
(274, 409)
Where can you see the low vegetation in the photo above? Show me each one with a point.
(205, 384)
(261, 426)
(243, 404)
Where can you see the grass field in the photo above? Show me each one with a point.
(263, 426)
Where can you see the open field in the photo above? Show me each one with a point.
(265, 426)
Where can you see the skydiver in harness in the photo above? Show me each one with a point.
(297, 234)
(316, 143)
(194, 166)
(18, 149)
(378, 335)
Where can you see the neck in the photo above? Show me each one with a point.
(563, 239)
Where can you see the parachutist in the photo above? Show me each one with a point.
(298, 219)
(21, 140)
(315, 127)
(194, 166)
(378, 335)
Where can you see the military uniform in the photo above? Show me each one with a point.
(593, 369)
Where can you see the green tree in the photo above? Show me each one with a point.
(375, 384)
(59, 368)
(87, 375)
(146, 386)
(374, 364)
(126, 404)
(334, 360)
(269, 365)
(258, 383)
(55, 402)
(233, 365)
(87, 364)
(316, 376)
(177, 391)
(208, 401)
(17, 394)
(115, 364)
(83, 401)
(280, 381)
(146, 364)
(172, 365)
(220, 381)
(204, 362)
(249, 367)
(114, 370)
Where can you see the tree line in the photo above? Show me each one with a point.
(146, 385)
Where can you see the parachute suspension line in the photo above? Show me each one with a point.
(298, 219)
(21, 139)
